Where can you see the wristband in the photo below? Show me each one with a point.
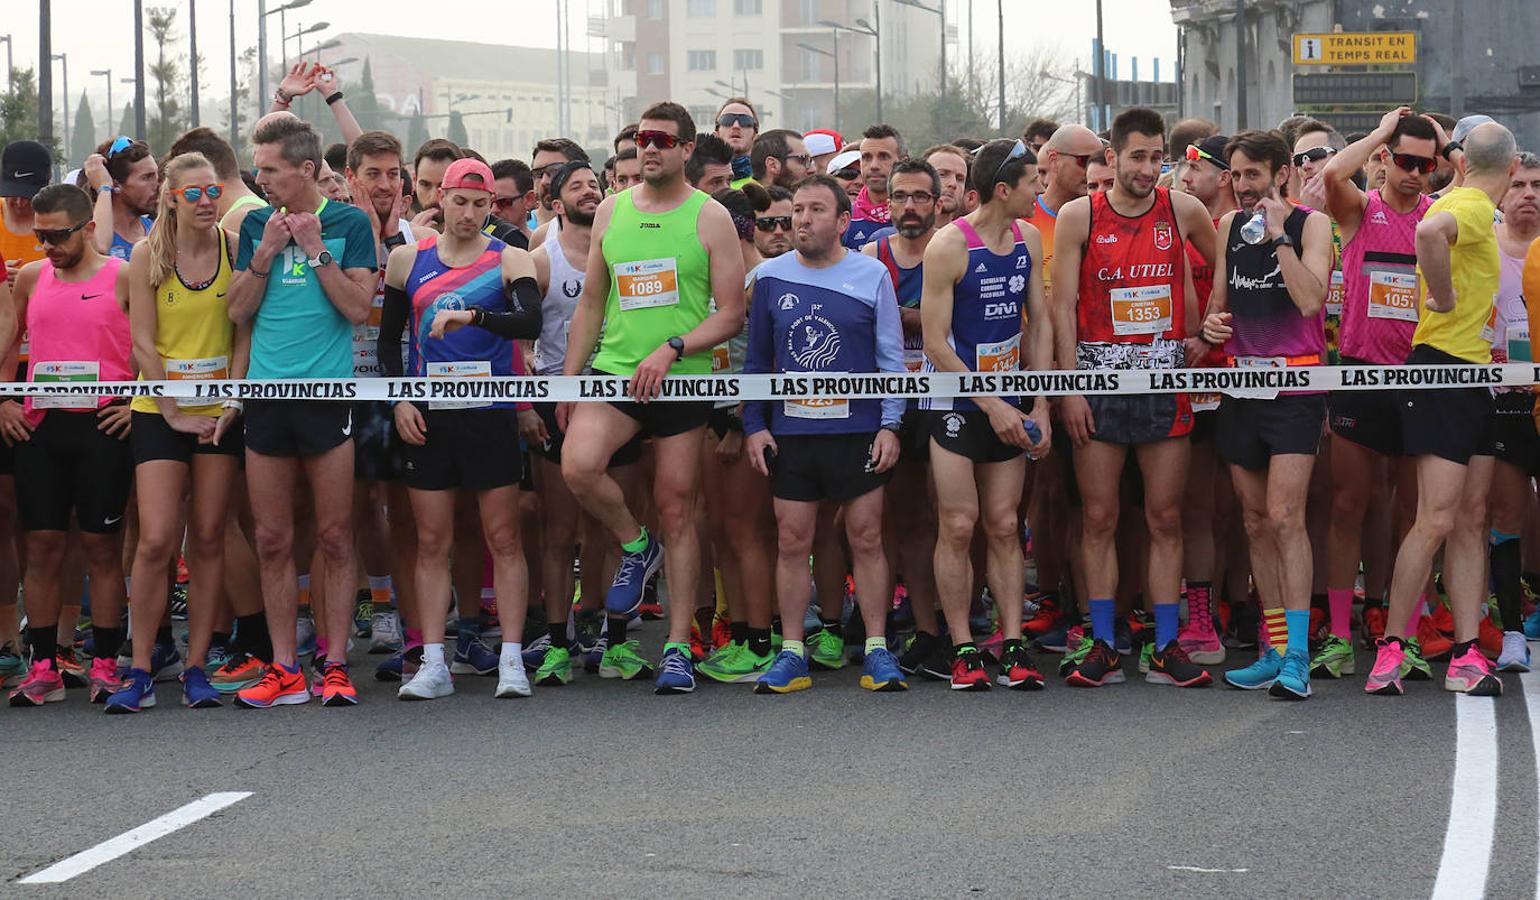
(236, 405)
(478, 316)
(333, 98)
(258, 274)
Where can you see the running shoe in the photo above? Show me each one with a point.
(239, 671)
(165, 661)
(1060, 639)
(1259, 675)
(880, 672)
(217, 655)
(555, 669)
(721, 632)
(13, 668)
(277, 687)
(472, 657)
(1373, 626)
(1532, 625)
(1100, 665)
(628, 587)
(176, 602)
(1171, 665)
(67, 663)
(1442, 618)
(1043, 620)
(736, 664)
(676, 674)
(304, 631)
(104, 679)
(1293, 681)
(994, 645)
(1146, 654)
(1334, 659)
(431, 682)
(1515, 655)
(491, 622)
(385, 632)
(624, 662)
(197, 692)
(919, 646)
(512, 680)
(594, 643)
(1017, 671)
(535, 651)
(1414, 667)
(1123, 637)
(825, 650)
(697, 643)
(1075, 657)
(1201, 641)
(787, 673)
(1471, 673)
(968, 672)
(651, 610)
(1435, 645)
(336, 687)
(1490, 638)
(43, 684)
(137, 693)
(1389, 668)
(363, 613)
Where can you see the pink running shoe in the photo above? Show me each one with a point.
(1200, 641)
(994, 645)
(43, 684)
(1385, 677)
(103, 679)
(1471, 673)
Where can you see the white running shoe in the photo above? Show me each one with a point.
(1515, 655)
(431, 682)
(511, 679)
(385, 632)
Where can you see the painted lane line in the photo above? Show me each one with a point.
(1462, 871)
(1204, 871)
(1531, 682)
(129, 841)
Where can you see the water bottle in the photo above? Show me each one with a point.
(1034, 434)
(1255, 228)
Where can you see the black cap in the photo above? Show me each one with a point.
(25, 169)
(1214, 147)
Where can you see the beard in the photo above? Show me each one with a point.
(580, 218)
(914, 226)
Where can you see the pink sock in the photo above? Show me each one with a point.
(413, 638)
(1340, 603)
(1420, 610)
(320, 648)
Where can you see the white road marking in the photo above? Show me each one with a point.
(129, 841)
(1462, 872)
(1205, 871)
(1531, 682)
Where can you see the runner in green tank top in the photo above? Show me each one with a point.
(661, 252)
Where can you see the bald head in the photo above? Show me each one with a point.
(272, 117)
(1074, 140)
(1490, 148)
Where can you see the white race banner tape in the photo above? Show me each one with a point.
(1249, 382)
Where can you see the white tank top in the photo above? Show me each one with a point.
(561, 300)
(366, 360)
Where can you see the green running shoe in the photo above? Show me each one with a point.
(1077, 655)
(623, 662)
(1413, 666)
(556, 669)
(1145, 655)
(825, 650)
(735, 664)
(1334, 659)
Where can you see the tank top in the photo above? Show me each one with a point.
(434, 285)
(1131, 277)
(193, 333)
(236, 208)
(366, 336)
(1268, 328)
(1380, 293)
(556, 308)
(908, 285)
(986, 310)
(660, 285)
(122, 247)
(79, 333)
(1510, 330)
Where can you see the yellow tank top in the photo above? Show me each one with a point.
(193, 334)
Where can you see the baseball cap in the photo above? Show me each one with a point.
(25, 167)
(1466, 125)
(843, 160)
(821, 141)
(1214, 148)
(455, 176)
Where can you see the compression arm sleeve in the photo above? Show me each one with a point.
(522, 320)
(392, 325)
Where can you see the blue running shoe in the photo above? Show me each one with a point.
(1057, 640)
(1123, 637)
(534, 652)
(1293, 681)
(472, 657)
(197, 693)
(625, 594)
(165, 661)
(788, 673)
(675, 675)
(138, 693)
(880, 672)
(1532, 626)
(1260, 674)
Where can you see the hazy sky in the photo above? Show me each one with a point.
(96, 34)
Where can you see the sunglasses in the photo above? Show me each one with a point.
(119, 145)
(503, 202)
(1412, 163)
(194, 194)
(1314, 154)
(1194, 154)
(1017, 152)
(546, 169)
(768, 224)
(57, 236)
(919, 198)
(806, 159)
(660, 139)
(728, 120)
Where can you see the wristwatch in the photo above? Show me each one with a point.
(1450, 148)
(396, 240)
(325, 259)
(677, 343)
(1282, 240)
(892, 426)
(281, 97)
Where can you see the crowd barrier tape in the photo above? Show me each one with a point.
(1249, 382)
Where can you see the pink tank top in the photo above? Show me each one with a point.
(78, 333)
(1379, 267)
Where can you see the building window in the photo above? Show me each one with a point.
(654, 64)
(748, 59)
(807, 12)
(654, 9)
(703, 115)
(812, 67)
(701, 7)
(701, 60)
(628, 56)
(748, 7)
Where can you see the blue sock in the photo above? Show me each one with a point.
(1298, 623)
(1104, 617)
(1167, 621)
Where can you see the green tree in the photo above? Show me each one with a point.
(167, 118)
(364, 104)
(416, 134)
(457, 134)
(18, 108)
(83, 133)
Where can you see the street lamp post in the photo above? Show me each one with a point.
(140, 129)
(234, 131)
(262, 13)
(939, 11)
(1062, 80)
(299, 37)
(192, 65)
(864, 27)
(836, 56)
(65, 59)
(107, 73)
(9, 62)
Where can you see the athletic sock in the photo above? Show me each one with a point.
(875, 643)
(758, 640)
(379, 591)
(1104, 617)
(617, 630)
(44, 641)
(163, 635)
(1461, 649)
(739, 631)
(320, 647)
(1199, 599)
(1340, 603)
(796, 647)
(251, 636)
(1320, 601)
(304, 590)
(512, 652)
(108, 642)
(638, 545)
(1275, 629)
(432, 654)
(830, 625)
(1167, 621)
(220, 639)
(1297, 631)
(558, 634)
(1506, 562)
(413, 638)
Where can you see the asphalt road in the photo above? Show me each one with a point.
(602, 788)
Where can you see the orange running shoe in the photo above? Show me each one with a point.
(697, 644)
(239, 671)
(721, 633)
(69, 666)
(1443, 620)
(1047, 616)
(1373, 625)
(1490, 637)
(1433, 642)
(336, 688)
(279, 687)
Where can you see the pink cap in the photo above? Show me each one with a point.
(455, 176)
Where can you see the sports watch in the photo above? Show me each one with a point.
(325, 259)
(677, 343)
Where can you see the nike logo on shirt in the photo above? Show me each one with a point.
(89, 296)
